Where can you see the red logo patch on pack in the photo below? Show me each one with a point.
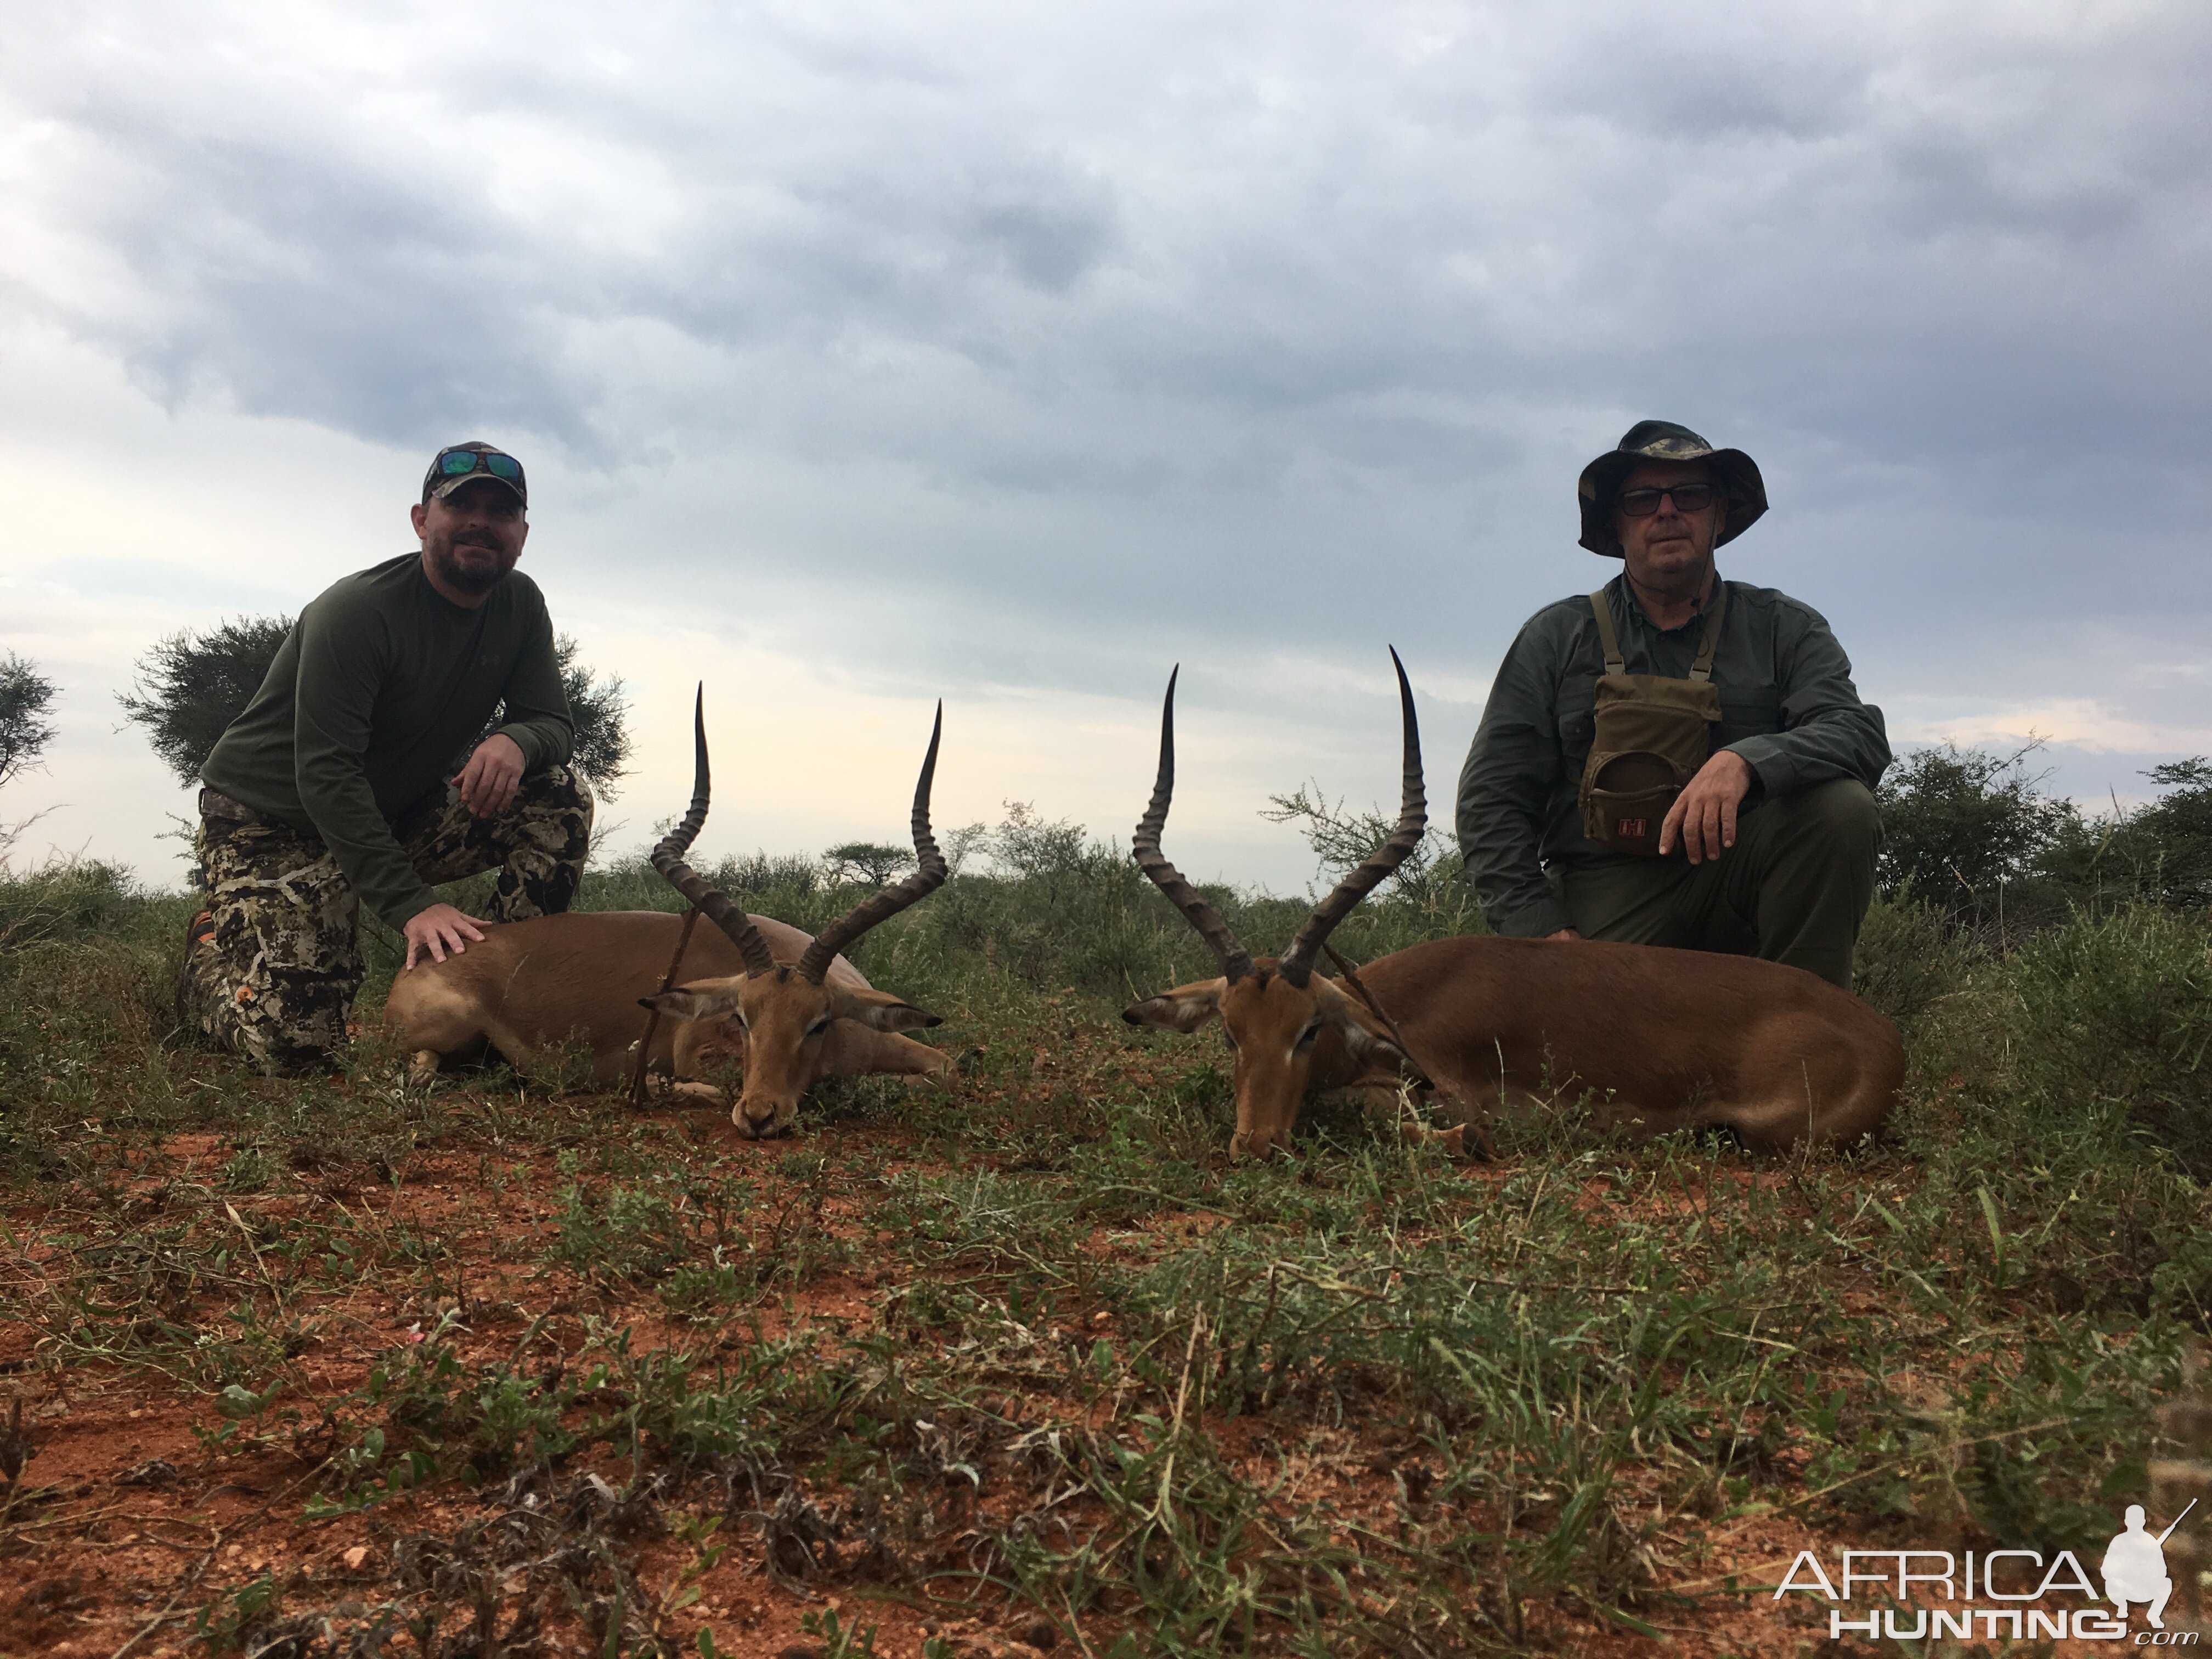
(1630, 829)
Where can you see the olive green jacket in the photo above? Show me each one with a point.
(1787, 707)
(375, 699)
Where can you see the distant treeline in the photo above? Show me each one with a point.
(1972, 834)
(1975, 834)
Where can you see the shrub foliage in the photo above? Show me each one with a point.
(1977, 836)
(27, 698)
(191, 686)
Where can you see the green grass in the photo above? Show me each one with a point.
(1032, 1346)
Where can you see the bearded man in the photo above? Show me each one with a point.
(362, 771)
(1676, 759)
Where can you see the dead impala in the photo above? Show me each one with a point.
(788, 1005)
(1659, 1039)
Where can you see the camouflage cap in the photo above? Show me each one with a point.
(1663, 440)
(459, 464)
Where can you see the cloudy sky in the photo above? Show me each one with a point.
(864, 353)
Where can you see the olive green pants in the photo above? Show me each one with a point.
(1793, 888)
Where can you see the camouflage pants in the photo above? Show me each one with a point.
(274, 980)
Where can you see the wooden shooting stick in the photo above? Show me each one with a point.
(652, 1019)
(1473, 1126)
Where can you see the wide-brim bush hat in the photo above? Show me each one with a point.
(1663, 440)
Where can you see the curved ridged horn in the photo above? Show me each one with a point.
(929, 875)
(668, 858)
(1296, 964)
(1235, 961)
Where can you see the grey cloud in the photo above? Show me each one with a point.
(1173, 326)
(307, 275)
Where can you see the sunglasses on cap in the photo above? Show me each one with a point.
(459, 463)
(1688, 498)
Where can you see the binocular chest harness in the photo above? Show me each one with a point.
(1652, 733)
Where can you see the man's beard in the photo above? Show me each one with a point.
(476, 577)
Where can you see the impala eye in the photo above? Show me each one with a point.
(1306, 1037)
(818, 1027)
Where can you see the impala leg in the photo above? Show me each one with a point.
(1473, 1137)
(682, 1090)
(1452, 1141)
(1473, 1100)
(1458, 1141)
(1462, 1140)
(936, 1071)
(852, 1051)
(689, 1091)
(1467, 1140)
(692, 1046)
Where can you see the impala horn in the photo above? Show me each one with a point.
(668, 858)
(929, 875)
(1235, 961)
(1297, 963)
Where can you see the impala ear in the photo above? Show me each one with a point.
(1184, 1009)
(879, 1011)
(691, 1005)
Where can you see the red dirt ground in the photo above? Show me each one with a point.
(126, 1522)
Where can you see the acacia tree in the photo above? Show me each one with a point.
(191, 686)
(2170, 841)
(27, 698)
(2161, 850)
(1959, 825)
(876, 863)
(598, 709)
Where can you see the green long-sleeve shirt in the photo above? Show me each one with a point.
(1787, 707)
(375, 698)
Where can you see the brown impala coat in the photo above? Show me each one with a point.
(531, 986)
(795, 1008)
(1657, 1039)
(1662, 1039)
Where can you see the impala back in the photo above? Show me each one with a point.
(1663, 1038)
(533, 985)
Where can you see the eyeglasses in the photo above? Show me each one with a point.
(459, 463)
(1688, 498)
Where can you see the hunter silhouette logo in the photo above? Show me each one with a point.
(2135, 1566)
(2006, 1591)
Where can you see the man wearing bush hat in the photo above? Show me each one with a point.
(361, 770)
(1676, 759)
